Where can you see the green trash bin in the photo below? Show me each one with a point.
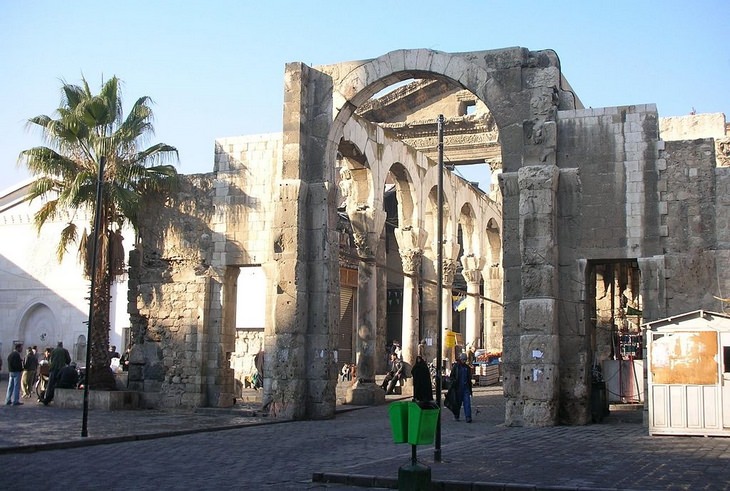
(422, 420)
(398, 413)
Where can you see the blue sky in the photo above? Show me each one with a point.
(215, 68)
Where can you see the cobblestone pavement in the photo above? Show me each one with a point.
(210, 449)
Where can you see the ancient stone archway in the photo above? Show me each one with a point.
(580, 187)
(522, 90)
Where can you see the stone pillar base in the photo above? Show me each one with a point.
(365, 394)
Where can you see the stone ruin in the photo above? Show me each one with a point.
(600, 219)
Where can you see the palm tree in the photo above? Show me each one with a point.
(90, 128)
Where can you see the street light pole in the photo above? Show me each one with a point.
(97, 227)
(439, 280)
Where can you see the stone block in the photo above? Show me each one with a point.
(538, 249)
(540, 348)
(538, 177)
(366, 394)
(103, 400)
(511, 380)
(539, 381)
(538, 315)
(540, 413)
(539, 281)
(514, 412)
(575, 380)
(541, 77)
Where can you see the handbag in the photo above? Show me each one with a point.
(450, 399)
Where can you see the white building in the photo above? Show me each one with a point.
(43, 301)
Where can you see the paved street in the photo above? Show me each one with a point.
(231, 449)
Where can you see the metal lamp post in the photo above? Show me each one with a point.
(439, 280)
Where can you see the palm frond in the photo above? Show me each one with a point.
(116, 253)
(68, 236)
(48, 211)
(41, 187)
(128, 203)
(73, 94)
(46, 161)
(85, 128)
(159, 153)
(83, 255)
(110, 95)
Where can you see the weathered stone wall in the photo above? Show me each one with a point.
(608, 210)
(697, 223)
(699, 126)
(245, 183)
(183, 278)
(722, 228)
(579, 185)
(170, 276)
(692, 127)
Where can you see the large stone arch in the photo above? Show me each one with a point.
(522, 90)
(493, 286)
(408, 205)
(371, 162)
(468, 220)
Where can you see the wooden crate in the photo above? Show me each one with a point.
(487, 374)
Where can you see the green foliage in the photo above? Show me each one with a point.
(87, 128)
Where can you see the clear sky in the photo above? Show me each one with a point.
(215, 68)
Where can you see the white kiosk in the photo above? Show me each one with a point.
(688, 374)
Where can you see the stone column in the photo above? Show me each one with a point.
(539, 342)
(367, 226)
(447, 306)
(473, 275)
(410, 243)
(493, 313)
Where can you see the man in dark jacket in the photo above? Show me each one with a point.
(30, 365)
(59, 359)
(461, 381)
(68, 378)
(15, 367)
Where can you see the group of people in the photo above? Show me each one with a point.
(460, 378)
(62, 373)
(55, 370)
(119, 362)
(348, 372)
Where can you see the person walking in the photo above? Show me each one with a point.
(422, 388)
(30, 365)
(15, 367)
(461, 380)
(59, 359)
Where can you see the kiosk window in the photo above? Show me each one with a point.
(687, 358)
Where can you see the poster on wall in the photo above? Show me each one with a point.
(684, 358)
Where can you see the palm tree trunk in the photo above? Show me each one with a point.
(100, 376)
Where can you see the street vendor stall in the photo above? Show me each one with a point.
(689, 374)
(486, 367)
